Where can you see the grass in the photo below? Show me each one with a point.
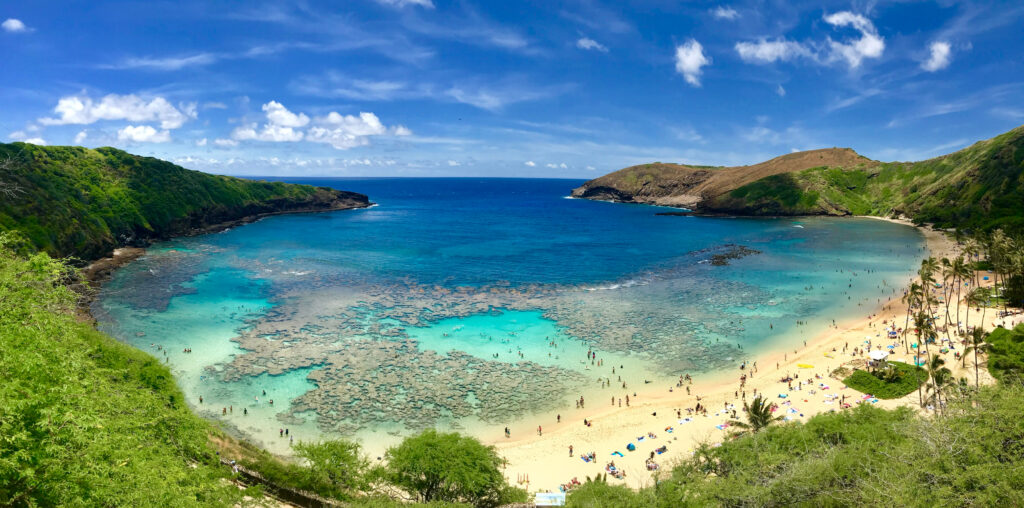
(909, 378)
(1006, 353)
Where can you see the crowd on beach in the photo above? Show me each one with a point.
(796, 390)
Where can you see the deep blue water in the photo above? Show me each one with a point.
(397, 316)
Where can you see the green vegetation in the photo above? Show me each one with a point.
(84, 419)
(88, 421)
(1006, 353)
(892, 381)
(980, 187)
(971, 456)
(436, 466)
(74, 201)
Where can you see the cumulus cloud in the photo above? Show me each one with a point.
(26, 138)
(870, 44)
(768, 51)
(14, 26)
(225, 142)
(588, 43)
(279, 115)
(81, 136)
(201, 142)
(723, 12)
(346, 131)
(82, 109)
(690, 58)
(940, 57)
(852, 52)
(143, 134)
(530, 163)
(557, 166)
(453, 163)
(340, 131)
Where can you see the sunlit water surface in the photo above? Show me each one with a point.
(473, 304)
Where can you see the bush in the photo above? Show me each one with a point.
(1006, 353)
(436, 466)
(906, 379)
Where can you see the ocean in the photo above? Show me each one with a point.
(475, 304)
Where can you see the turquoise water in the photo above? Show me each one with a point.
(475, 304)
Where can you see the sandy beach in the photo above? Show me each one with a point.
(657, 416)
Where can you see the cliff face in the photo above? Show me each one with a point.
(981, 186)
(74, 201)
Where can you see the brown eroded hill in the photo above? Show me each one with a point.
(685, 186)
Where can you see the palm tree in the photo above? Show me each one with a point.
(963, 271)
(940, 377)
(977, 344)
(948, 276)
(759, 416)
(923, 326)
(912, 298)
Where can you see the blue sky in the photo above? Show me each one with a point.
(506, 88)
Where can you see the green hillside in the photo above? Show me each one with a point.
(981, 186)
(75, 201)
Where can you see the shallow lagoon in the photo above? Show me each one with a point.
(473, 304)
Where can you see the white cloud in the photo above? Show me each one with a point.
(721, 12)
(214, 105)
(781, 92)
(83, 110)
(225, 142)
(25, 138)
(766, 51)
(402, 3)
(557, 166)
(530, 163)
(591, 168)
(14, 26)
(689, 60)
(588, 43)
(340, 131)
(279, 115)
(870, 44)
(143, 134)
(172, 63)
(940, 57)
(81, 136)
(346, 131)
(453, 163)
(201, 142)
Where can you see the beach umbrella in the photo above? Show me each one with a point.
(878, 354)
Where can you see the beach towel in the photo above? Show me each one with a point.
(722, 426)
(685, 421)
(783, 395)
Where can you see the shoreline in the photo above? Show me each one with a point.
(654, 410)
(536, 457)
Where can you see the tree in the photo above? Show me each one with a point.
(977, 344)
(435, 466)
(337, 462)
(759, 416)
(940, 377)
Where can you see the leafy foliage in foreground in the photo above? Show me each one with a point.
(84, 419)
(901, 380)
(74, 201)
(866, 456)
